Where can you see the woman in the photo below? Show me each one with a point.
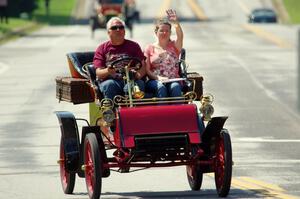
(162, 57)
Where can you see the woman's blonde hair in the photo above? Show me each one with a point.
(161, 22)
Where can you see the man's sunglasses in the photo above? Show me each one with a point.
(117, 28)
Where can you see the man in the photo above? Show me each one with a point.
(111, 82)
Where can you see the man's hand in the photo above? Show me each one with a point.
(111, 70)
(132, 74)
(142, 71)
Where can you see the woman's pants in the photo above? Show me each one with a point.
(159, 89)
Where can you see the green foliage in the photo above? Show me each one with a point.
(58, 14)
(293, 8)
(5, 28)
(16, 7)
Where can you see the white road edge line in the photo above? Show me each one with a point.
(261, 139)
(3, 68)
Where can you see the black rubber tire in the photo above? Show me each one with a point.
(223, 164)
(67, 179)
(195, 177)
(194, 174)
(93, 167)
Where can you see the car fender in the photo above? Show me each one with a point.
(213, 128)
(70, 137)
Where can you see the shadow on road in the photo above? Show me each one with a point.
(204, 193)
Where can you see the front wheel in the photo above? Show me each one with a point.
(92, 166)
(223, 164)
(194, 173)
(194, 176)
(67, 179)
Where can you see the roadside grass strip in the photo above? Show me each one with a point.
(293, 6)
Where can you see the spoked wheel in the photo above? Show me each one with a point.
(92, 166)
(223, 164)
(194, 175)
(67, 179)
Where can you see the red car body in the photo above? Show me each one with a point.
(159, 119)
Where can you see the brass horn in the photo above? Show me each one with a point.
(137, 93)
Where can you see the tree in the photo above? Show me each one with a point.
(28, 6)
(16, 7)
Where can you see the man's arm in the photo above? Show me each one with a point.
(102, 71)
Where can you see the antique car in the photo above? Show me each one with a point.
(180, 134)
(106, 9)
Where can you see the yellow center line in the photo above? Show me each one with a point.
(267, 35)
(263, 184)
(260, 32)
(198, 11)
(162, 11)
(265, 189)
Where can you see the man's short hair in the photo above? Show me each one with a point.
(108, 24)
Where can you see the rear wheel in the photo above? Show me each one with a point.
(92, 163)
(223, 164)
(67, 179)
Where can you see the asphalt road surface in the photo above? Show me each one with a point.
(250, 69)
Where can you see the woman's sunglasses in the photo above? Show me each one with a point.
(117, 28)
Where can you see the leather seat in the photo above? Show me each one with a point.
(76, 62)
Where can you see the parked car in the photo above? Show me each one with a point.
(263, 15)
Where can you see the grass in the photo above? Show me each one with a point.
(14, 23)
(60, 12)
(293, 8)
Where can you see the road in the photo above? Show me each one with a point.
(252, 77)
